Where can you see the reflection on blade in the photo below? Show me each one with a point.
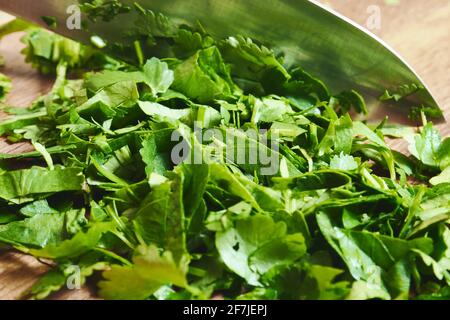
(321, 41)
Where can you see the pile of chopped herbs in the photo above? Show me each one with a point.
(5, 82)
(342, 216)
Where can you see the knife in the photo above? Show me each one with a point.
(325, 43)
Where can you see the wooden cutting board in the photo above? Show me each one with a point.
(418, 29)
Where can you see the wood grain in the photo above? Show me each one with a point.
(418, 29)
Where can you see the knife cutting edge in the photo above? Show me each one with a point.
(322, 41)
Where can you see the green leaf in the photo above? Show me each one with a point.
(343, 136)
(307, 282)
(377, 260)
(45, 50)
(37, 207)
(344, 162)
(66, 274)
(360, 129)
(188, 42)
(196, 177)
(79, 244)
(105, 103)
(379, 145)
(20, 185)
(386, 251)
(360, 265)
(5, 86)
(441, 268)
(325, 179)
(270, 109)
(426, 146)
(338, 137)
(39, 231)
(401, 92)
(434, 206)
(286, 130)
(158, 76)
(439, 260)
(252, 62)
(154, 24)
(253, 154)
(443, 154)
(149, 272)
(12, 26)
(163, 113)
(52, 281)
(160, 217)
(204, 77)
(154, 160)
(257, 244)
(155, 74)
(45, 154)
(302, 84)
(104, 9)
(261, 198)
(21, 121)
(443, 177)
(352, 99)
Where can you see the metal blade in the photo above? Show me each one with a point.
(323, 42)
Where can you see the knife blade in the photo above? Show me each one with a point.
(325, 43)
